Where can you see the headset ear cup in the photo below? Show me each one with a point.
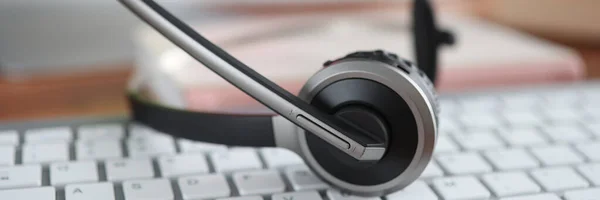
(388, 101)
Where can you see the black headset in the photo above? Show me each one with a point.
(366, 123)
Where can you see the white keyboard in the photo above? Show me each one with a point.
(536, 144)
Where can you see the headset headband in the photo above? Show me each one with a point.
(355, 142)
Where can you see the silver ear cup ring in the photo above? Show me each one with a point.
(416, 93)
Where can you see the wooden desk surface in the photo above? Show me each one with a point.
(90, 94)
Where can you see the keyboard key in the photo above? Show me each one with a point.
(244, 198)
(594, 127)
(148, 133)
(119, 170)
(556, 155)
(183, 164)
(41, 193)
(152, 146)
(520, 101)
(449, 126)
(480, 121)
(562, 115)
(591, 172)
(235, 160)
(43, 135)
(445, 145)
(522, 119)
(159, 189)
(306, 195)
(510, 184)
(523, 137)
(259, 182)
(302, 178)
(534, 197)
(583, 194)
(478, 140)
(564, 98)
(590, 150)
(558, 179)
(137, 128)
(98, 150)
(463, 163)
(448, 106)
(277, 157)
(511, 159)
(416, 190)
(9, 137)
(204, 187)
(480, 104)
(20, 176)
(73, 172)
(90, 191)
(460, 188)
(45, 153)
(188, 146)
(100, 132)
(431, 171)
(7, 155)
(336, 195)
(566, 133)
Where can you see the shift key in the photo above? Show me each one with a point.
(20, 176)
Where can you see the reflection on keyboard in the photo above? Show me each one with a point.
(528, 145)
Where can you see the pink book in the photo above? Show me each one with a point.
(289, 50)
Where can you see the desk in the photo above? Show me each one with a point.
(94, 94)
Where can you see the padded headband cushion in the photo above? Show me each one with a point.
(227, 129)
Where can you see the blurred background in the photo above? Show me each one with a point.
(61, 58)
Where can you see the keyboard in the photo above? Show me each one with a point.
(538, 143)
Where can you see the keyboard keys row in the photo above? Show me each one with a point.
(150, 189)
(512, 186)
(571, 118)
(507, 184)
(257, 183)
(477, 140)
(66, 134)
(59, 174)
(462, 163)
(223, 160)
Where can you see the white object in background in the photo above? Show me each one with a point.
(54, 36)
(302, 43)
(57, 35)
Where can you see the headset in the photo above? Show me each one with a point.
(366, 123)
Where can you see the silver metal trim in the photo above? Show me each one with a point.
(247, 84)
(285, 134)
(405, 85)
